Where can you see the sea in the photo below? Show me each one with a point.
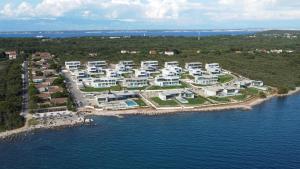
(126, 33)
(266, 137)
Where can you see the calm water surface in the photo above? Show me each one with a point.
(267, 137)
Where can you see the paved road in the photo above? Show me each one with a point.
(25, 103)
(75, 92)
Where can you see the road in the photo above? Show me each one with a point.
(75, 92)
(25, 103)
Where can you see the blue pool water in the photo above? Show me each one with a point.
(267, 137)
(131, 103)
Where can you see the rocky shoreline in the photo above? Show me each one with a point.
(247, 105)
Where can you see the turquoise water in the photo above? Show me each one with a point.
(267, 137)
(131, 103)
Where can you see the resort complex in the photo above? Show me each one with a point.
(99, 85)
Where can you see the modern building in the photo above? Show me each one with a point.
(101, 82)
(164, 81)
(112, 73)
(150, 66)
(97, 64)
(206, 79)
(172, 63)
(72, 65)
(193, 65)
(213, 68)
(134, 82)
(108, 97)
(171, 71)
(95, 70)
(141, 73)
(195, 72)
(128, 63)
(169, 53)
(167, 95)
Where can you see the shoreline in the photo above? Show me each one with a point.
(247, 105)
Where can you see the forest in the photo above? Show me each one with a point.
(245, 55)
(10, 95)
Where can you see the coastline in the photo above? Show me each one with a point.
(247, 105)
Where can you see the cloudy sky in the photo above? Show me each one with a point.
(148, 14)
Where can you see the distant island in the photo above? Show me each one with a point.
(55, 82)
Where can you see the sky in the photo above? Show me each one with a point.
(37, 15)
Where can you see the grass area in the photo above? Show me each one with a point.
(186, 76)
(239, 97)
(250, 91)
(183, 85)
(140, 102)
(136, 88)
(197, 100)
(220, 99)
(92, 89)
(33, 122)
(225, 78)
(164, 103)
(127, 75)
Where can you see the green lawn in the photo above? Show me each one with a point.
(197, 100)
(136, 88)
(225, 78)
(164, 103)
(140, 102)
(183, 85)
(186, 76)
(92, 89)
(250, 91)
(240, 97)
(220, 99)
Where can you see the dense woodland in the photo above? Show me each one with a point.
(10, 95)
(235, 53)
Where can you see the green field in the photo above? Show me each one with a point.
(140, 102)
(225, 78)
(220, 99)
(235, 53)
(164, 103)
(197, 100)
(92, 89)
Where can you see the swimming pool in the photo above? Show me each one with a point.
(131, 103)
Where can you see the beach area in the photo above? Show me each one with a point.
(246, 105)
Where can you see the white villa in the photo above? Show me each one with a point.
(101, 82)
(141, 73)
(169, 53)
(167, 81)
(150, 66)
(110, 73)
(97, 64)
(193, 65)
(195, 72)
(95, 70)
(72, 65)
(206, 79)
(172, 63)
(135, 82)
(220, 91)
(80, 74)
(121, 68)
(128, 63)
(171, 71)
(179, 95)
(213, 68)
